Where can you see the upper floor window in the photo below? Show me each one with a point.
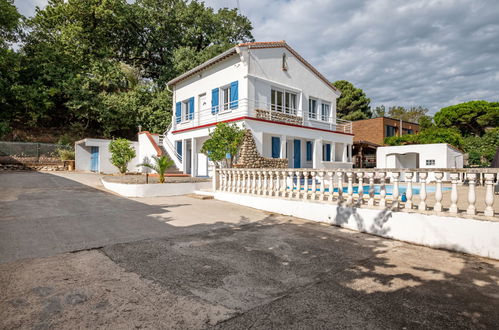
(312, 109)
(390, 131)
(325, 112)
(283, 101)
(224, 97)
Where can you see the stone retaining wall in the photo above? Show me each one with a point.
(31, 167)
(250, 158)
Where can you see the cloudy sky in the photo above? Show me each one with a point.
(432, 53)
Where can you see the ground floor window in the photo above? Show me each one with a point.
(276, 147)
(309, 151)
(326, 152)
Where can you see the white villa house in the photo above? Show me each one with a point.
(268, 88)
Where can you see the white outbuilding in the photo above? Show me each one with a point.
(436, 155)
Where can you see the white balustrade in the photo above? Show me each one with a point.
(331, 186)
(422, 191)
(370, 176)
(453, 194)
(360, 187)
(313, 195)
(305, 185)
(298, 184)
(489, 195)
(320, 185)
(340, 186)
(408, 192)
(382, 189)
(395, 192)
(350, 188)
(438, 192)
(471, 194)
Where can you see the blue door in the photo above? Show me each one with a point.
(297, 153)
(94, 159)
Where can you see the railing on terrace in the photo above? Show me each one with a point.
(260, 110)
(380, 188)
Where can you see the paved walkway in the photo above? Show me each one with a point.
(187, 263)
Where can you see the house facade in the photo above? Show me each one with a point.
(271, 90)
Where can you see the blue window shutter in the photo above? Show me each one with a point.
(234, 94)
(328, 152)
(309, 150)
(178, 112)
(214, 101)
(191, 108)
(276, 147)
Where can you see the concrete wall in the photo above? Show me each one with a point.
(452, 233)
(156, 189)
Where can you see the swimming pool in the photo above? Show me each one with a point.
(377, 189)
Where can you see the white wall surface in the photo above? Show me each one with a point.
(452, 233)
(155, 189)
(83, 156)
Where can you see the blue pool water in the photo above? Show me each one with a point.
(377, 188)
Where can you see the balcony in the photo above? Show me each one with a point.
(259, 110)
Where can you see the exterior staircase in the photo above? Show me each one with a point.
(166, 146)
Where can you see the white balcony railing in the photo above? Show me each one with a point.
(377, 188)
(259, 110)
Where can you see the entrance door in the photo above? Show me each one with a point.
(94, 159)
(297, 154)
(188, 156)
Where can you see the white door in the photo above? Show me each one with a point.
(202, 105)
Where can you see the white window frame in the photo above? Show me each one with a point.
(185, 110)
(312, 115)
(328, 117)
(224, 91)
(284, 106)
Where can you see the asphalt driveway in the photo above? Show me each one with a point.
(186, 263)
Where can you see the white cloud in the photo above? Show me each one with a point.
(423, 52)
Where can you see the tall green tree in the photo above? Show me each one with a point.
(471, 118)
(101, 66)
(353, 103)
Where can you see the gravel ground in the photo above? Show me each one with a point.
(152, 179)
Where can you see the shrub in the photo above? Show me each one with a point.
(161, 164)
(122, 153)
(66, 154)
(223, 143)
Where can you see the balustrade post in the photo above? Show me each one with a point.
(350, 188)
(471, 193)
(322, 187)
(305, 185)
(422, 191)
(454, 177)
(239, 181)
(233, 181)
(408, 192)
(298, 184)
(259, 181)
(243, 181)
(489, 195)
(253, 183)
(331, 185)
(284, 186)
(277, 183)
(265, 189)
(370, 176)
(314, 186)
(395, 193)
(220, 179)
(382, 189)
(438, 192)
(340, 186)
(360, 187)
(289, 184)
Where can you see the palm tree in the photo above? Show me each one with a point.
(161, 164)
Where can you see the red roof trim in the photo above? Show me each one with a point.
(258, 119)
